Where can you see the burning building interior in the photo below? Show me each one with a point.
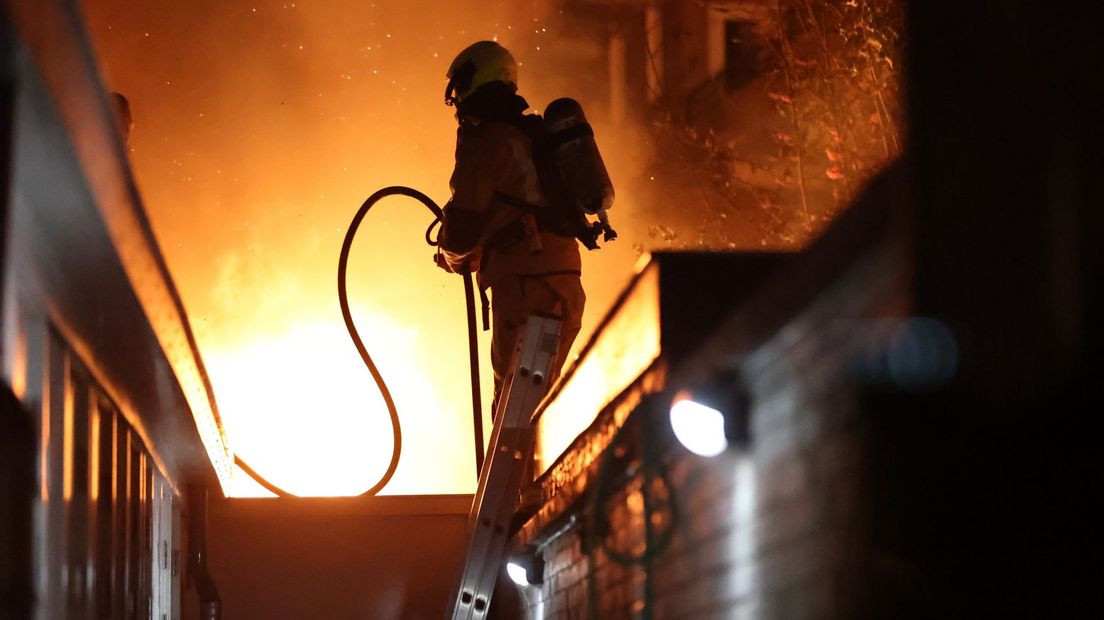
(835, 361)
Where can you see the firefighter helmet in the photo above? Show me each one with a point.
(480, 63)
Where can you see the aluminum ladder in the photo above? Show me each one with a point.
(500, 478)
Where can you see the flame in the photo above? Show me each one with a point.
(301, 407)
(253, 148)
(628, 345)
(252, 152)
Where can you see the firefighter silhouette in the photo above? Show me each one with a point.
(493, 225)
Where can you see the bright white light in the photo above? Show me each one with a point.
(699, 428)
(517, 574)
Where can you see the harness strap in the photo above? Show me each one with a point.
(518, 203)
(510, 234)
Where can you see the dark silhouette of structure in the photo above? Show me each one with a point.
(906, 400)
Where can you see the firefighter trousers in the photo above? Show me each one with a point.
(514, 298)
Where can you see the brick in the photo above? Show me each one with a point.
(762, 533)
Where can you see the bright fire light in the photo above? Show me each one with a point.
(628, 345)
(252, 153)
(302, 409)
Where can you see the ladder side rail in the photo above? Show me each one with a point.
(501, 477)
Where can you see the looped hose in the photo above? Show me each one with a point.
(430, 238)
(343, 298)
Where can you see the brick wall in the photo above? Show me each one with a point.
(859, 496)
(775, 529)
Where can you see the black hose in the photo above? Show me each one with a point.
(342, 294)
(473, 363)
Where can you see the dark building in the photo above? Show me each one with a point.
(107, 419)
(901, 397)
(903, 404)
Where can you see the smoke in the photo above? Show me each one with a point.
(259, 129)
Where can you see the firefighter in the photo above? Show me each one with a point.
(491, 225)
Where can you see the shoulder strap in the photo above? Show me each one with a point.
(532, 125)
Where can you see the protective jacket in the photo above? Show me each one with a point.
(532, 272)
(481, 231)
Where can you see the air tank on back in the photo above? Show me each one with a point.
(574, 155)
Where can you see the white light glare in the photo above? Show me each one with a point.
(517, 574)
(699, 429)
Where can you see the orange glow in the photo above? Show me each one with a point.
(252, 152)
(303, 409)
(44, 451)
(68, 440)
(16, 355)
(627, 346)
(259, 127)
(95, 421)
